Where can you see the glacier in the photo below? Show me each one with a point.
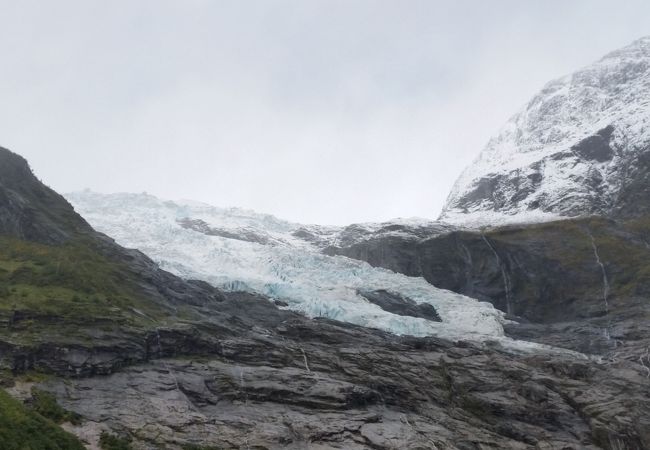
(239, 250)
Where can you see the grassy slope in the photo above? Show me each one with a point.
(60, 293)
(24, 429)
(70, 284)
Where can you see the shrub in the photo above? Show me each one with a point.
(111, 442)
(45, 404)
(21, 428)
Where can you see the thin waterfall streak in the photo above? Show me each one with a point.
(504, 275)
(304, 355)
(604, 272)
(606, 288)
(242, 386)
(646, 355)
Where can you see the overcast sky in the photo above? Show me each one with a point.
(332, 111)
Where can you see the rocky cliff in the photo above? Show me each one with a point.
(582, 283)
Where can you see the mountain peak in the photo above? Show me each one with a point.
(30, 210)
(13, 167)
(564, 152)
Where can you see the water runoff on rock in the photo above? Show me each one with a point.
(605, 289)
(504, 275)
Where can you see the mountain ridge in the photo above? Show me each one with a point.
(30, 210)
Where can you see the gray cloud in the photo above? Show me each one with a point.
(326, 111)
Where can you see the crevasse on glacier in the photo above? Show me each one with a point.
(235, 249)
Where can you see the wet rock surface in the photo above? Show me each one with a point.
(368, 391)
(402, 306)
(547, 277)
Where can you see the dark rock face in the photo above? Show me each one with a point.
(29, 210)
(355, 233)
(396, 304)
(543, 274)
(633, 197)
(323, 237)
(502, 191)
(242, 235)
(596, 147)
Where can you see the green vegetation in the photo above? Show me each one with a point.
(626, 257)
(71, 283)
(61, 293)
(112, 442)
(45, 404)
(6, 378)
(567, 243)
(24, 429)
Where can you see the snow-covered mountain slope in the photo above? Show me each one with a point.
(578, 147)
(236, 249)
